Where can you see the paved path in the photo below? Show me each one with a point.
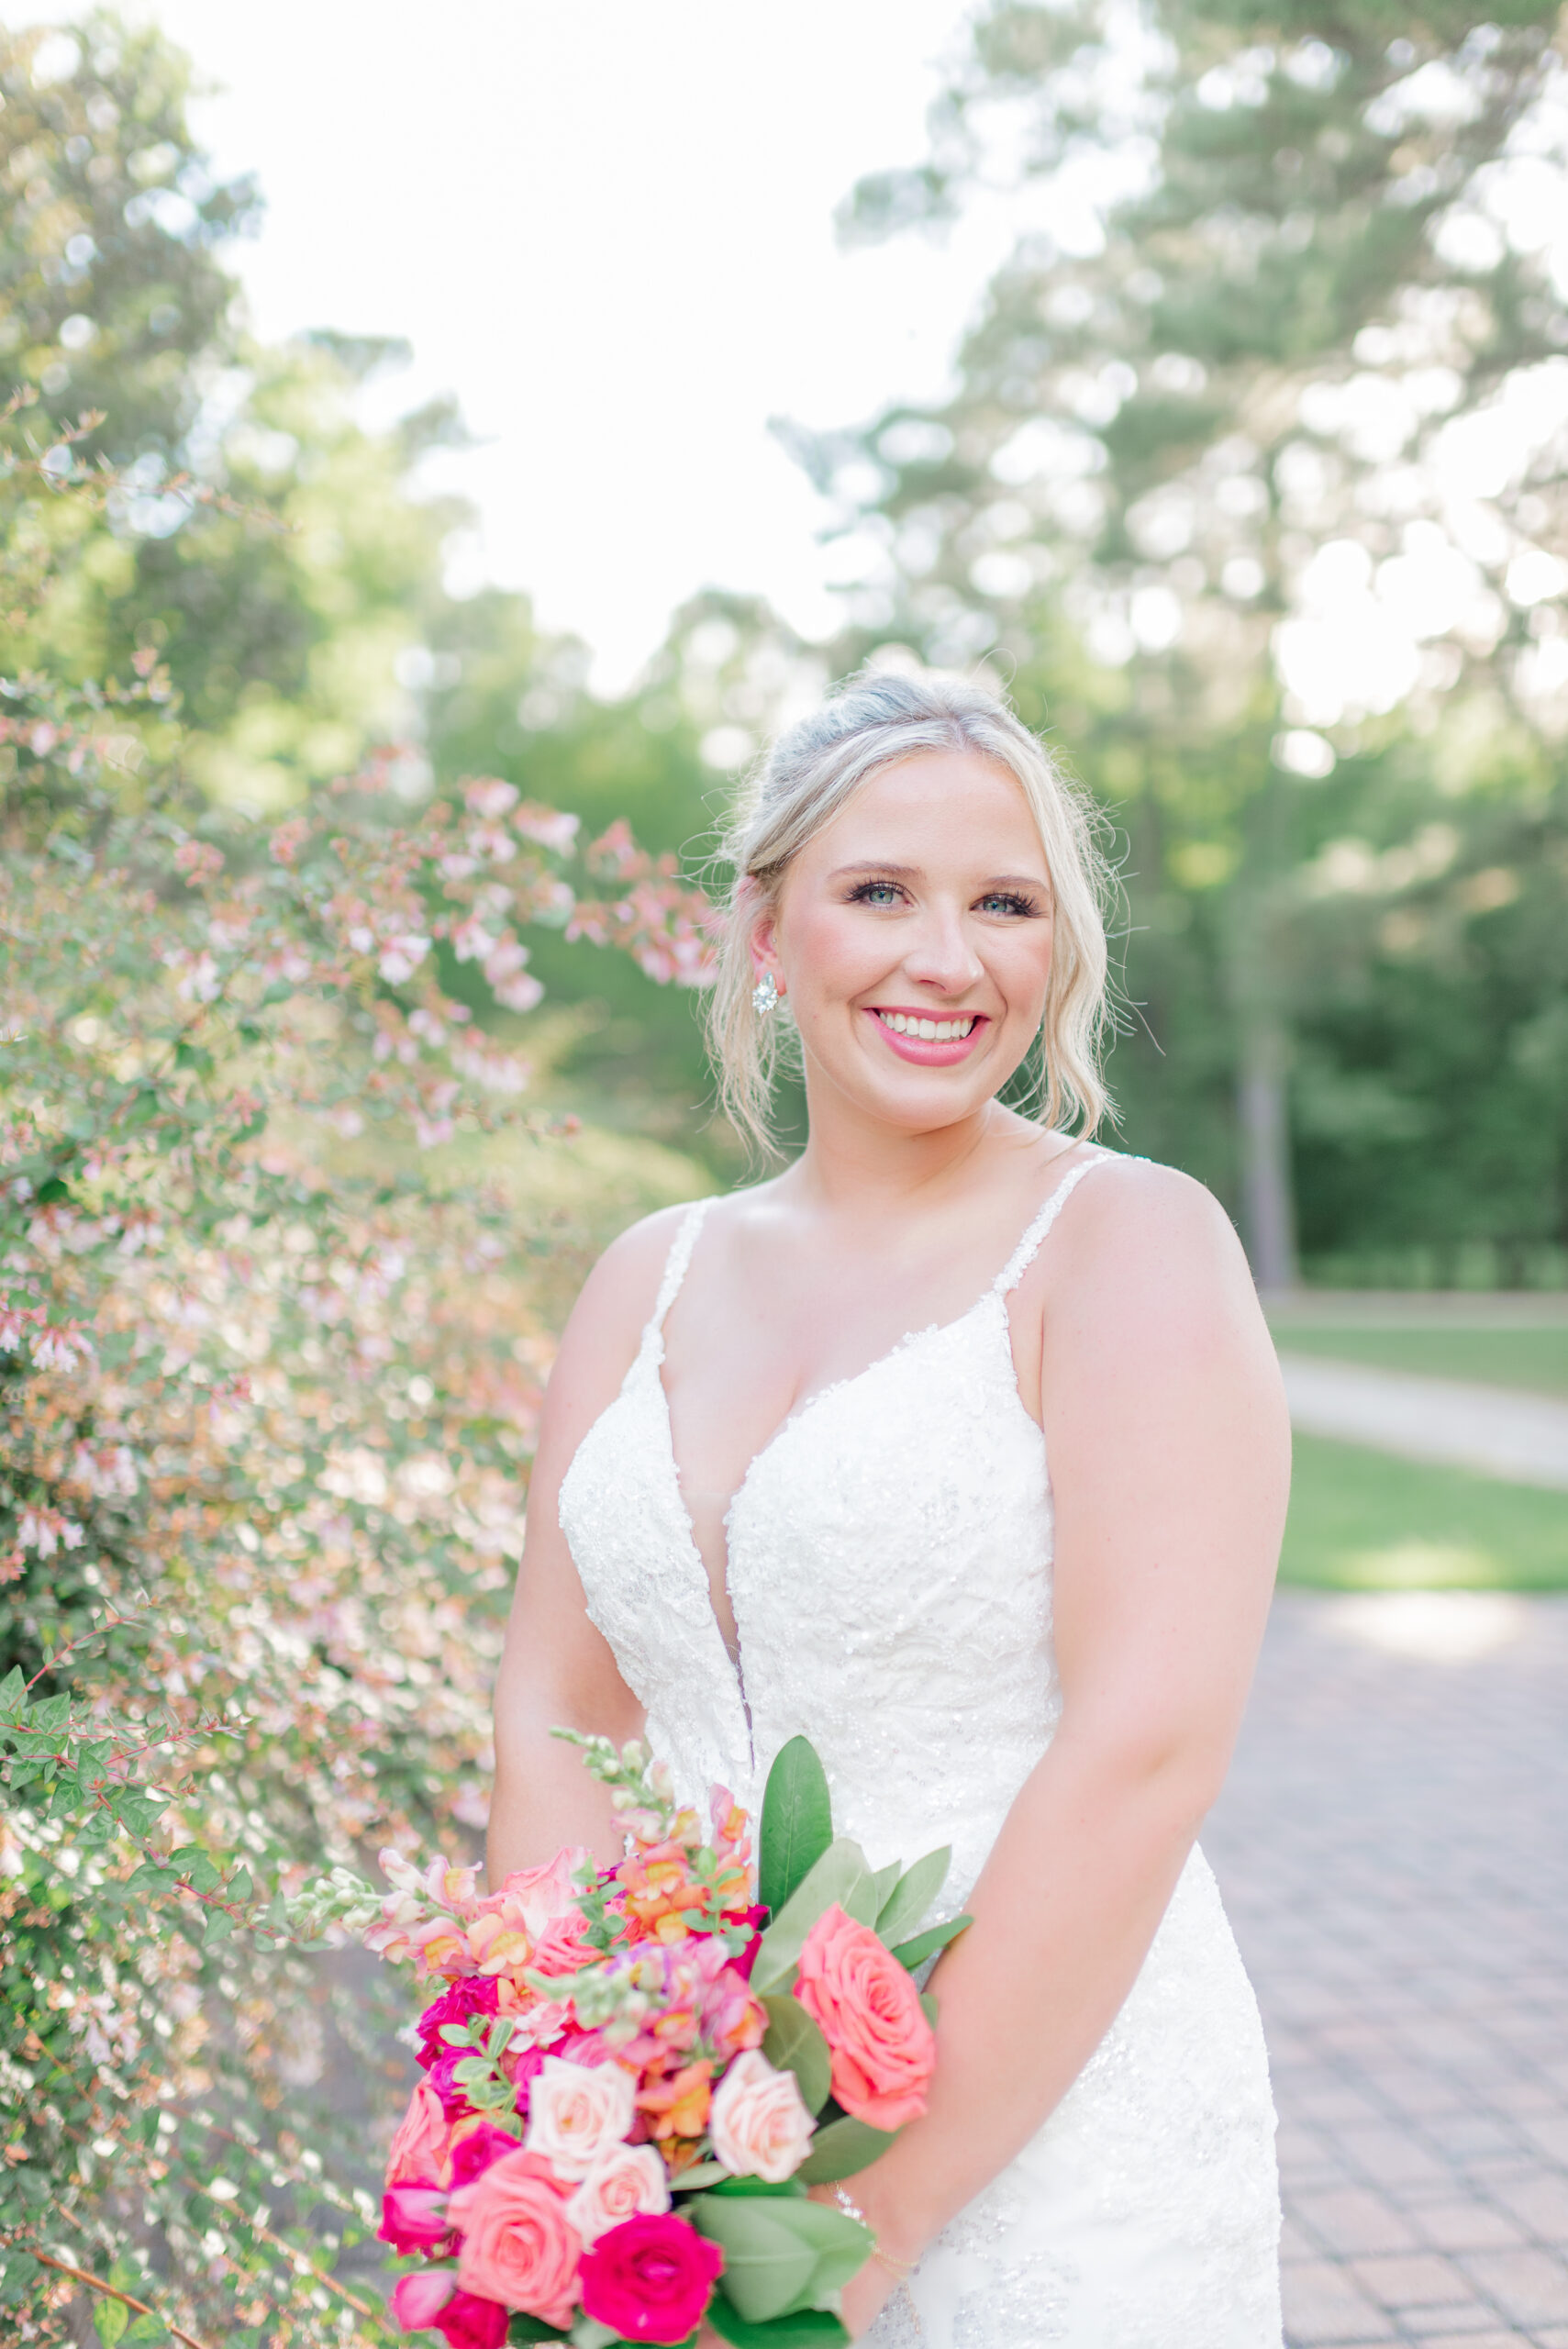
(1520, 1436)
(1394, 1850)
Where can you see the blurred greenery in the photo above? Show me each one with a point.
(1528, 1358)
(1366, 1521)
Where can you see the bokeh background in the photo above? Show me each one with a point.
(513, 419)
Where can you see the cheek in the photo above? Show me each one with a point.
(832, 952)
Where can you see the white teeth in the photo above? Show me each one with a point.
(930, 1031)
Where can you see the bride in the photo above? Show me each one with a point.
(793, 1477)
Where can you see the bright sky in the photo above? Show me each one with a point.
(607, 225)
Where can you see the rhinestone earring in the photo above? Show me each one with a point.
(764, 995)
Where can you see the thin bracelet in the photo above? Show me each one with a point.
(899, 2269)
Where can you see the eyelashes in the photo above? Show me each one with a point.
(883, 894)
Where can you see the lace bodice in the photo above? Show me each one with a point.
(889, 1573)
(890, 1555)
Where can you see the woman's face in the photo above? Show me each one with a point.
(913, 938)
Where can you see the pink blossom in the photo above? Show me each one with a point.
(417, 2300)
(412, 2218)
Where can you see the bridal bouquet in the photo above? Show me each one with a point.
(633, 2074)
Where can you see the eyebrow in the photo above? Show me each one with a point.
(916, 872)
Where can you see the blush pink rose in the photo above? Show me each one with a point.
(760, 2125)
(650, 2279)
(629, 2182)
(419, 2154)
(576, 2112)
(868, 2009)
(518, 2245)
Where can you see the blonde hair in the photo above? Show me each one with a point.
(872, 721)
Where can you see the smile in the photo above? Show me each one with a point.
(930, 1031)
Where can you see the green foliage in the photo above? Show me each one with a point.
(1353, 987)
(906, 1902)
(841, 2147)
(794, 2043)
(798, 1821)
(782, 2254)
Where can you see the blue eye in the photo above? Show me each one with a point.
(1005, 901)
(874, 892)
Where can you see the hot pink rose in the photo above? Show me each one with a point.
(519, 2247)
(869, 2011)
(475, 2148)
(651, 2278)
(420, 2153)
(412, 2218)
(470, 2322)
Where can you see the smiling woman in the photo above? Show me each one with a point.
(875, 1454)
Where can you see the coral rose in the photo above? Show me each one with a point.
(518, 2245)
(759, 2123)
(630, 2181)
(650, 2279)
(420, 2153)
(576, 2112)
(869, 2011)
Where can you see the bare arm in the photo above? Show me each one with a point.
(1170, 1462)
(556, 1669)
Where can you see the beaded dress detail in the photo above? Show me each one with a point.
(890, 1575)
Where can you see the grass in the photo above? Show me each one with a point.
(1366, 1520)
(1531, 1357)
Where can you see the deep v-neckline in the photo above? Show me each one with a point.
(653, 1351)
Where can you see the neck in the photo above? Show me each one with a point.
(853, 1161)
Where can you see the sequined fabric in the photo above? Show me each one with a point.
(889, 1570)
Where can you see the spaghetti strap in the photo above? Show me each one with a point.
(1028, 1247)
(675, 1263)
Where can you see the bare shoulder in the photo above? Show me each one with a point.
(605, 1326)
(1148, 1252)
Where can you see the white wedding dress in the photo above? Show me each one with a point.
(890, 1574)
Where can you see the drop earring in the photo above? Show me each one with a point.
(764, 995)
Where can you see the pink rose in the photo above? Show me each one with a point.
(627, 2180)
(419, 2154)
(577, 2112)
(869, 2011)
(412, 2218)
(518, 2245)
(651, 2278)
(417, 2300)
(562, 1945)
(760, 2126)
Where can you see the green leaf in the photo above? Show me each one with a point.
(757, 2185)
(929, 2009)
(794, 2043)
(926, 1944)
(766, 2269)
(51, 1716)
(109, 2321)
(148, 2328)
(914, 1893)
(797, 1822)
(13, 1690)
(710, 2174)
(840, 1875)
(219, 1925)
(840, 2149)
(149, 1878)
(807, 2329)
(532, 2328)
(885, 1880)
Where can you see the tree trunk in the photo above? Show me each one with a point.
(1268, 1207)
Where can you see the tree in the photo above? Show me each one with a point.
(1224, 399)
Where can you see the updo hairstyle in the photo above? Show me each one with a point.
(812, 770)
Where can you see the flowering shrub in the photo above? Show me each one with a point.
(267, 1387)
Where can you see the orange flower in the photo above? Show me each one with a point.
(677, 2107)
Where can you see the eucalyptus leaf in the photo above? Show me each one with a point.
(794, 2043)
(885, 1880)
(840, 2149)
(797, 1822)
(840, 1875)
(903, 1908)
(926, 1944)
(781, 2255)
(807, 2329)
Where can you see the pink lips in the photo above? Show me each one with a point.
(926, 1053)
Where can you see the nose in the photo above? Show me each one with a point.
(943, 955)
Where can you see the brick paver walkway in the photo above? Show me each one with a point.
(1394, 1850)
